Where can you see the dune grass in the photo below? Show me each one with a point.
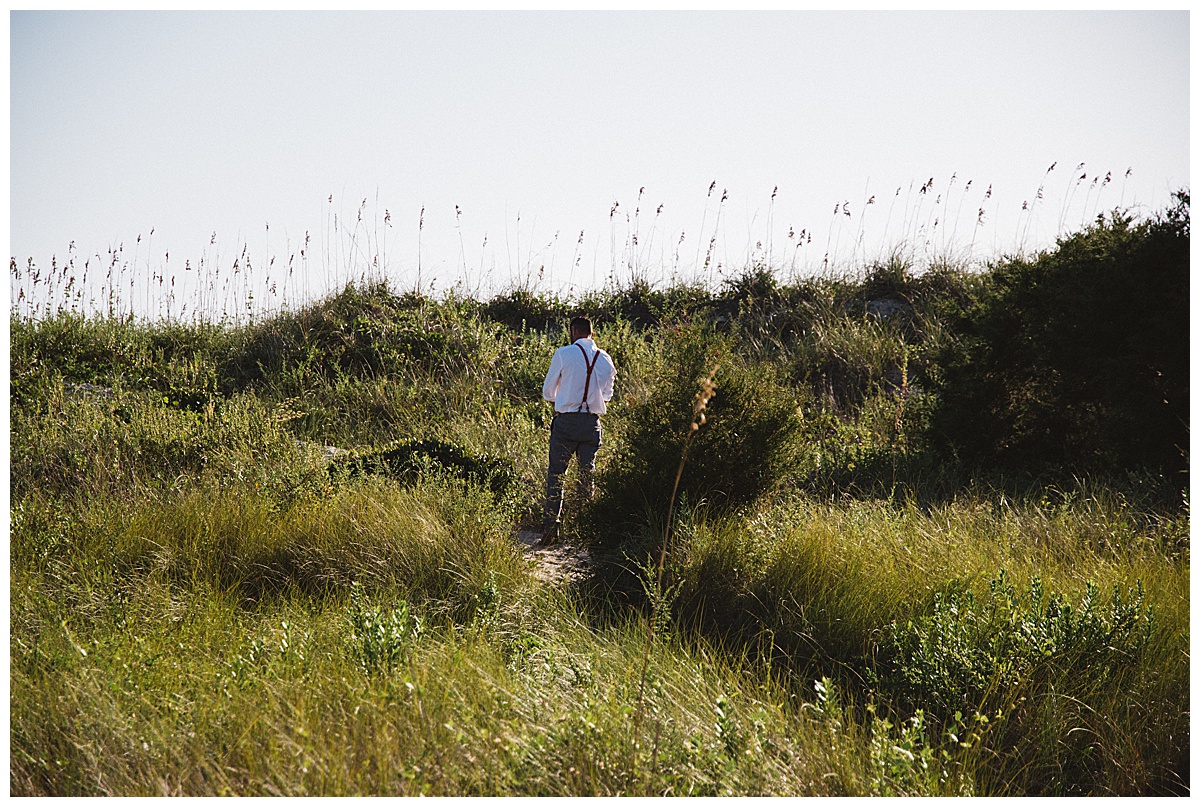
(199, 605)
(394, 641)
(382, 642)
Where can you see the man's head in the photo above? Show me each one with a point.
(581, 328)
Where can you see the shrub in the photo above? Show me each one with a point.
(408, 461)
(364, 332)
(638, 303)
(1059, 676)
(967, 655)
(743, 449)
(91, 442)
(1078, 359)
(176, 361)
(522, 309)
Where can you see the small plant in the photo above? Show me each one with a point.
(380, 639)
(902, 763)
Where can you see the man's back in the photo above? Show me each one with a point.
(568, 377)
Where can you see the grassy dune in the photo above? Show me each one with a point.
(203, 604)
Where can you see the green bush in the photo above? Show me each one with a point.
(1077, 361)
(1056, 675)
(176, 361)
(364, 332)
(409, 461)
(523, 310)
(83, 442)
(743, 447)
(968, 656)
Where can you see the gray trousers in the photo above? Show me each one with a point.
(571, 434)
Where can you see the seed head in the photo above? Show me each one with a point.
(708, 389)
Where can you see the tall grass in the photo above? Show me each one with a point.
(200, 606)
(818, 586)
(208, 648)
(361, 241)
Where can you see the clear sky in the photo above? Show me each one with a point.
(476, 147)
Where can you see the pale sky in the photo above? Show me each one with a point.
(173, 126)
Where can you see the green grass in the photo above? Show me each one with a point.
(207, 647)
(826, 586)
(199, 606)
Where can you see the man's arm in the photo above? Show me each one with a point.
(607, 379)
(553, 376)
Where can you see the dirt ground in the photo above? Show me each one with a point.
(560, 562)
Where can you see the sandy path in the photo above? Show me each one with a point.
(561, 562)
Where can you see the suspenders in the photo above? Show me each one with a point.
(587, 383)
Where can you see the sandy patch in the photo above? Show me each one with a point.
(560, 562)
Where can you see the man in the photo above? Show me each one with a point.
(579, 383)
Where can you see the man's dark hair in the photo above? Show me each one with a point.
(581, 325)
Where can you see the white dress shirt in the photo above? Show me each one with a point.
(568, 374)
